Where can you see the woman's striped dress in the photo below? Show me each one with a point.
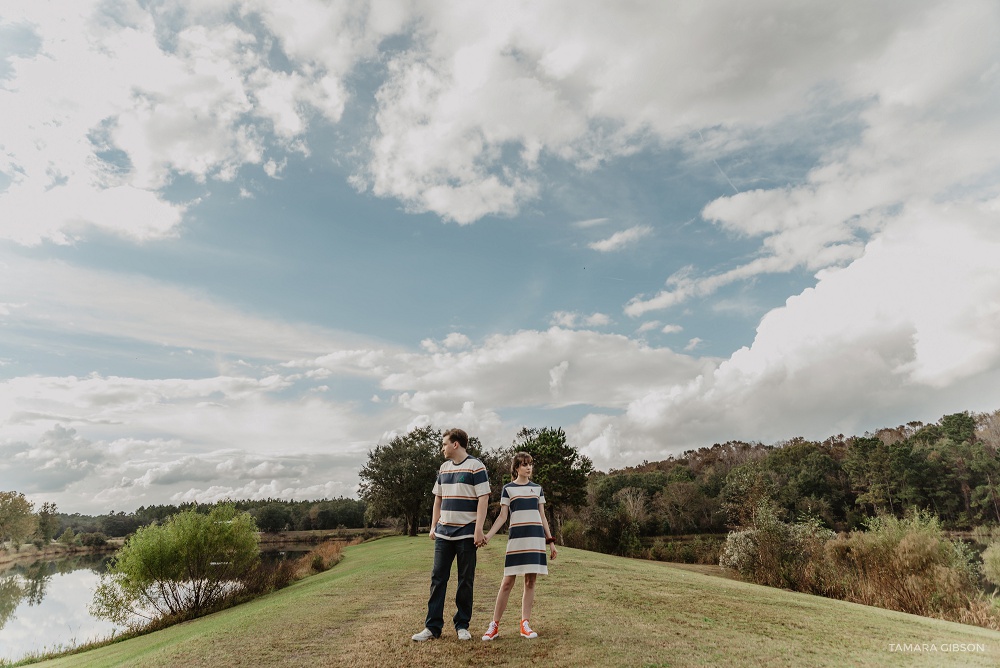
(526, 537)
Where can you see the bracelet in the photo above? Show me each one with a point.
(549, 539)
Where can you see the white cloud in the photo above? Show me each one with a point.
(182, 91)
(61, 297)
(930, 88)
(513, 370)
(623, 239)
(671, 329)
(571, 320)
(905, 332)
(692, 344)
(590, 222)
(648, 326)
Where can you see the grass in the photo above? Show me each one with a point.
(592, 610)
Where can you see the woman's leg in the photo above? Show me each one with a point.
(506, 585)
(529, 594)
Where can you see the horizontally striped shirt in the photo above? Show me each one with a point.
(526, 536)
(460, 486)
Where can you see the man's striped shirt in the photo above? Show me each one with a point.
(460, 486)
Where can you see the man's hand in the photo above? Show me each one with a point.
(433, 535)
(480, 539)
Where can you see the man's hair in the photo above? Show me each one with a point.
(458, 436)
(516, 462)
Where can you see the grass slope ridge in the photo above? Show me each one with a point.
(592, 610)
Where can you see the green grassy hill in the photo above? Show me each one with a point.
(592, 610)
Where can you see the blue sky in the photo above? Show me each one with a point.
(240, 244)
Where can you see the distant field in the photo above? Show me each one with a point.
(592, 610)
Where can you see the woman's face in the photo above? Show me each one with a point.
(524, 469)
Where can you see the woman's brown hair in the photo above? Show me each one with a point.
(519, 459)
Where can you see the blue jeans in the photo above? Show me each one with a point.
(445, 552)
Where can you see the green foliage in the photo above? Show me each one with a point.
(17, 518)
(772, 552)
(272, 518)
(749, 490)
(67, 537)
(991, 563)
(559, 468)
(398, 478)
(48, 522)
(182, 568)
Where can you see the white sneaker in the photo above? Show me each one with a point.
(426, 634)
(463, 634)
(526, 631)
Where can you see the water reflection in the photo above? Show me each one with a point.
(44, 605)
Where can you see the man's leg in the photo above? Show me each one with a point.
(466, 579)
(444, 555)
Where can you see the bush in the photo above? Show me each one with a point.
(991, 563)
(900, 564)
(574, 533)
(775, 553)
(67, 537)
(95, 539)
(903, 564)
(697, 550)
(180, 569)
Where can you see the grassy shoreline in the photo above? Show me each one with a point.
(593, 609)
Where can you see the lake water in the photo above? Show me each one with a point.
(44, 606)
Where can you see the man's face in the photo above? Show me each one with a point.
(446, 448)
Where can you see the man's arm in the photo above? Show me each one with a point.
(435, 516)
(484, 503)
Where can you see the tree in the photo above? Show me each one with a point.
(48, 522)
(559, 468)
(273, 517)
(399, 477)
(180, 568)
(17, 517)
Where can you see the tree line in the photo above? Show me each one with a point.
(949, 468)
(21, 523)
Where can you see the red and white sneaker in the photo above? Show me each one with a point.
(492, 632)
(526, 631)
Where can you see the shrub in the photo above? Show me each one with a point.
(574, 533)
(775, 553)
(179, 569)
(991, 563)
(903, 564)
(67, 537)
(95, 539)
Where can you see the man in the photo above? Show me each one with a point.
(461, 496)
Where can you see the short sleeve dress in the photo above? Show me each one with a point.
(526, 537)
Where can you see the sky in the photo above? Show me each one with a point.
(244, 242)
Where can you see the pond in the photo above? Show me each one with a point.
(45, 606)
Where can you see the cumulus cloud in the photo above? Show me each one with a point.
(928, 120)
(571, 320)
(184, 89)
(623, 239)
(915, 314)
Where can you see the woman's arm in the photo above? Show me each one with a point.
(548, 532)
(498, 523)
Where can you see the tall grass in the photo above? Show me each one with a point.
(905, 564)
